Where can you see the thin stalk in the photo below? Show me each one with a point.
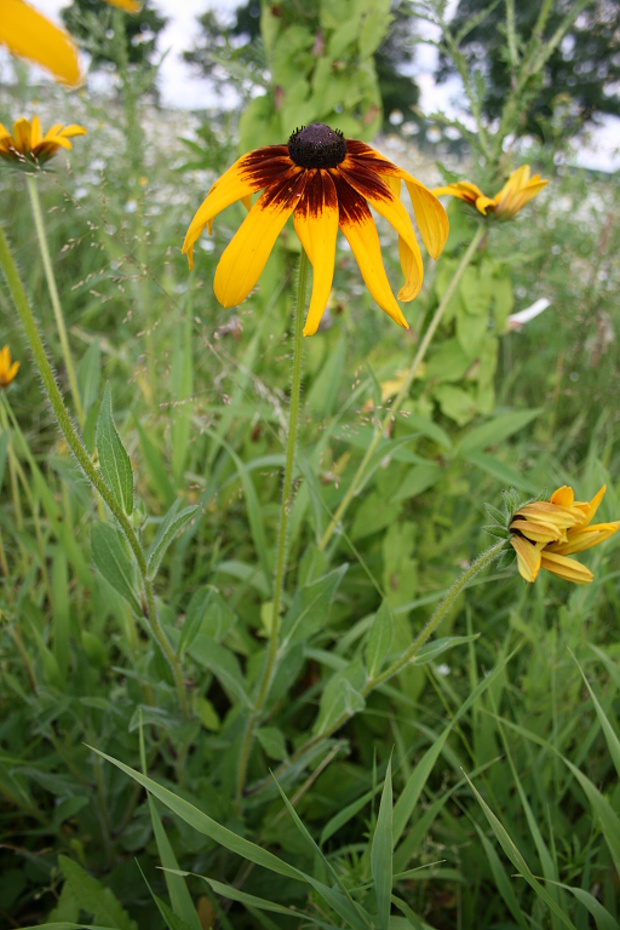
(51, 283)
(77, 447)
(285, 509)
(408, 657)
(360, 474)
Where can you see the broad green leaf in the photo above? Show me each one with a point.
(496, 430)
(379, 639)
(341, 697)
(89, 376)
(110, 557)
(170, 527)
(418, 479)
(113, 459)
(504, 473)
(272, 741)
(381, 852)
(90, 896)
(309, 610)
(223, 664)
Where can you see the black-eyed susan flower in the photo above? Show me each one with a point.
(516, 192)
(29, 34)
(28, 146)
(327, 182)
(8, 368)
(545, 533)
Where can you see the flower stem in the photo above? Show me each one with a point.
(408, 657)
(360, 474)
(77, 447)
(51, 283)
(285, 509)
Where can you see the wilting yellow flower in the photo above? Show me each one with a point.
(8, 369)
(29, 146)
(326, 182)
(544, 533)
(29, 34)
(516, 192)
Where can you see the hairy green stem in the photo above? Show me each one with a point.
(285, 509)
(77, 447)
(51, 283)
(408, 657)
(380, 431)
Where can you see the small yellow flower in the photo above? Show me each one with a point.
(516, 192)
(544, 533)
(8, 369)
(28, 145)
(29, 34)
(326, 182)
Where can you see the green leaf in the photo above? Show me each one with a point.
(381, 852)
(223, 664)
(170, 527)
(506, 474)
(110, 557)
(113, 460)
(496, 430)
(89, 376)
(379, 639)
(90, 896)
(602, 918)
(310, 607)
(436, 647)
(613, 743)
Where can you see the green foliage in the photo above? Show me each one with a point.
(383, 778)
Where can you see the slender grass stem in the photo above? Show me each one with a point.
(77, 447)
(407, 658)
(285, 509)
(380, 431)
(51, 283)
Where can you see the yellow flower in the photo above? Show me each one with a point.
(8, 369)
(29, 34)
(29, 146)
(327, 182)
(544, 533)
(516, 192)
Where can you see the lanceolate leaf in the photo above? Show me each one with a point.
(110, 557)
(171, 526)
(113, 459)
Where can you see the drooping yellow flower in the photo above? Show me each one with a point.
(8, 369)
(28, 145)
(327, 182)
(29, 34)
(545, 533)
(516, 192)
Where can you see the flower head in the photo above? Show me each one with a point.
(8, 369)
(545, 533)
(327, 182)
(516, 192)
(28, 146)
(29, 34)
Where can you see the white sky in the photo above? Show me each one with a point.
(180, 87)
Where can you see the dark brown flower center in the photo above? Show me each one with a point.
(317, 146)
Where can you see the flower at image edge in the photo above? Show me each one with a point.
(28, 145)
(545, 533)
(516, 192)
(8, 369)
(28, 34)
(327, 182)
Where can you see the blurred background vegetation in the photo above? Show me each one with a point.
(200, 398)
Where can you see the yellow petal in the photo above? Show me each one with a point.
(129, 6)
(233, 185)
(581, 539)
(30, 35)
(316, 224)
(538, 530)
(568, 569)
(245, 257)
(361, 234)
(430, 216)
(22, 135)
(528, 558)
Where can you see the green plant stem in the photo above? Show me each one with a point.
(51, 283)
(75, 444)
(360, 474)
(408, 657)
(285, 509)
